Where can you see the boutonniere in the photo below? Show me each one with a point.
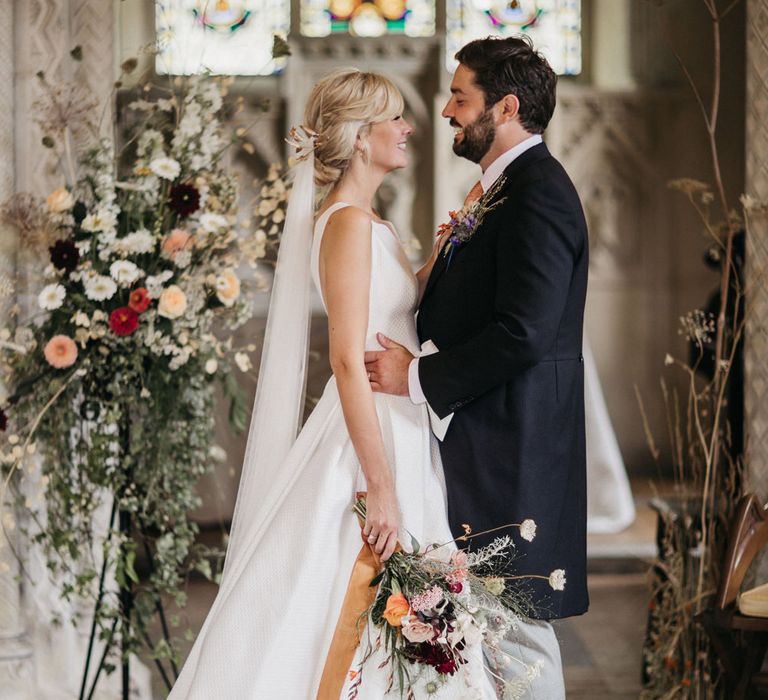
(464, 223)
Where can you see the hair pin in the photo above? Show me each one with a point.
(303, 139)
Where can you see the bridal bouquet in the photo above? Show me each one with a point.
(112, 377)
(433, 604)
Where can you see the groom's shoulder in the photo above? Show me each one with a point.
(537, 169)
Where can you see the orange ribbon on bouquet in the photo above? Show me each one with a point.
(359, 597)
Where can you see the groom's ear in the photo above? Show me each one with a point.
(510, 107)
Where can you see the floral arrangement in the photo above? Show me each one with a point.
(432, 603)
(112, 379)
(463, 224)
(680, 659)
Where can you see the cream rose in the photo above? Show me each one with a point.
(60, 200)
(227, 287)
(173, 302)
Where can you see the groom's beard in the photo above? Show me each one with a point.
(477, 138)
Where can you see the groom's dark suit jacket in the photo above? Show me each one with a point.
(506, 315)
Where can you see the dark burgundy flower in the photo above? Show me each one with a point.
(438, 657)
(184, 199)
(79, 212)
(124, 321)
(64, 255)
(3, 420)
(455, 587)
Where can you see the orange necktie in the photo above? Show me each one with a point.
(475, 193)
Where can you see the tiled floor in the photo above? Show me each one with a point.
(601, 650)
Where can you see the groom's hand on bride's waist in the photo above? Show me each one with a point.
(388, 368)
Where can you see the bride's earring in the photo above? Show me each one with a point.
(364, 150)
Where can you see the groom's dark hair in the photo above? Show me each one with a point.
(511, 66)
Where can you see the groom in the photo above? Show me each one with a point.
(505, 310)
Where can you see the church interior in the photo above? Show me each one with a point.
(653, 162)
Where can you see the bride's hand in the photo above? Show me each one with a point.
(382, 521)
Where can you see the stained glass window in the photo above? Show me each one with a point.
(553, 25)
(368, 17)
(225, 37)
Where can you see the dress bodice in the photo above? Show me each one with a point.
(394, 290)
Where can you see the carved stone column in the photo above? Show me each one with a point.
(16, 668)
(756, 368)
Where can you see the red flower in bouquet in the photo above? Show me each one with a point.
(184, 199)
(124, 321)
(436, 656)
(139, 300)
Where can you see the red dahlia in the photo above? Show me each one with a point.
(139, 300)
(124, 321)
(184, 199)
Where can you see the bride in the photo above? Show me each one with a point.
(295, 538)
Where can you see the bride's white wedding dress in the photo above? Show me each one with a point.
(269, 630)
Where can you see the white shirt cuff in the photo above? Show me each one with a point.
(439, 426)
(414, 384)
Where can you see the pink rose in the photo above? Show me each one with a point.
(176, 241)
(418, 632)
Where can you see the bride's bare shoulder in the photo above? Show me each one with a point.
(348, 220)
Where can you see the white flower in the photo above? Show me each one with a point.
(136, 243)
(218, 453)
(494, 585)
(81, 319)
(100, 288)
(243, 361)
(179, 359)
(668, 359)
(124, 272)
(52, 297)
(164, 167)
(154, 283)
(190, 124)
(211, 366)
(528, 529)
(557, 580)
(100, 221)
(266, 207)
(183, 259)
(213, 222)
(212, 93)
(166, 105)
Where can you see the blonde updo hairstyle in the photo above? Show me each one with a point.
(342, 106)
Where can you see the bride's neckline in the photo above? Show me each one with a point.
(333, 208)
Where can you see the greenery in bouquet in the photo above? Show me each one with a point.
(432, 604)
(111, 378)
